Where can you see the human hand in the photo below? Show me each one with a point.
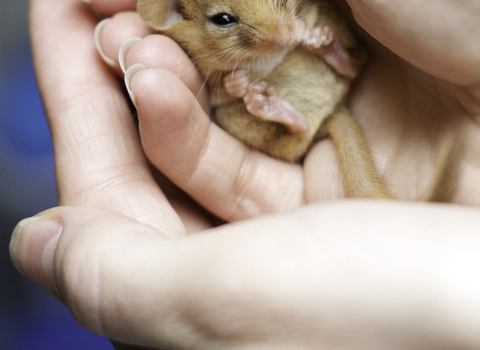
(404, 110)
(320, 277)
(97, 145)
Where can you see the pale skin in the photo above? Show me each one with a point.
(345, 274)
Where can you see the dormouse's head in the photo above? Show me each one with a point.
(226, 34)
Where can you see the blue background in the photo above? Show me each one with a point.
(30, 318)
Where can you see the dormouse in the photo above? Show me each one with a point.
(278, 74)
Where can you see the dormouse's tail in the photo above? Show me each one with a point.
(361, 178)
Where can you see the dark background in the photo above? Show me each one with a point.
(30, 318)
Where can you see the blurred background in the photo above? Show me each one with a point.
(30, 318)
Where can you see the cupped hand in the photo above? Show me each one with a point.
(375, 274)
(409, 97)
(320, 277)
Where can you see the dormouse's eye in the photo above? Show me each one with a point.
(223, 19)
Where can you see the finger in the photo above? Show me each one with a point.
(162, 52)
(111, 33)
(220, 172)
(99, 161)
(436, 36)
(153, 51)
(109, 7)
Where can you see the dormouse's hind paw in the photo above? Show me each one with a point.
(236, 83)
(272, 108)
(326, 42)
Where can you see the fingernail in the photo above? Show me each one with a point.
(97, 35)
(122, 54)
(128, 79)
(87, 1)
(32, 249)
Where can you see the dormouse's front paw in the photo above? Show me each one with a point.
(325, 41)
(236, 83)
(272, 108)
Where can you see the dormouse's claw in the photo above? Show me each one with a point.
(259, 87)
(258, 99)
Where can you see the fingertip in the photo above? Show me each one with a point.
(32, 249)
(98, 43)
(112, 33)
(129, 73)
(162, 52)
(122, 54)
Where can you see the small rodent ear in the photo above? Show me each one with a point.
(159, 14)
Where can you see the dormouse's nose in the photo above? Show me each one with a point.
(277, 33)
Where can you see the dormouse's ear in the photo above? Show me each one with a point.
(159, 14)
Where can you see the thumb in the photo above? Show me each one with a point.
(101, 264)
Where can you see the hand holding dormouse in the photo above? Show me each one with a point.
(101, 165)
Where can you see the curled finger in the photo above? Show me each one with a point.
(219, 171)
